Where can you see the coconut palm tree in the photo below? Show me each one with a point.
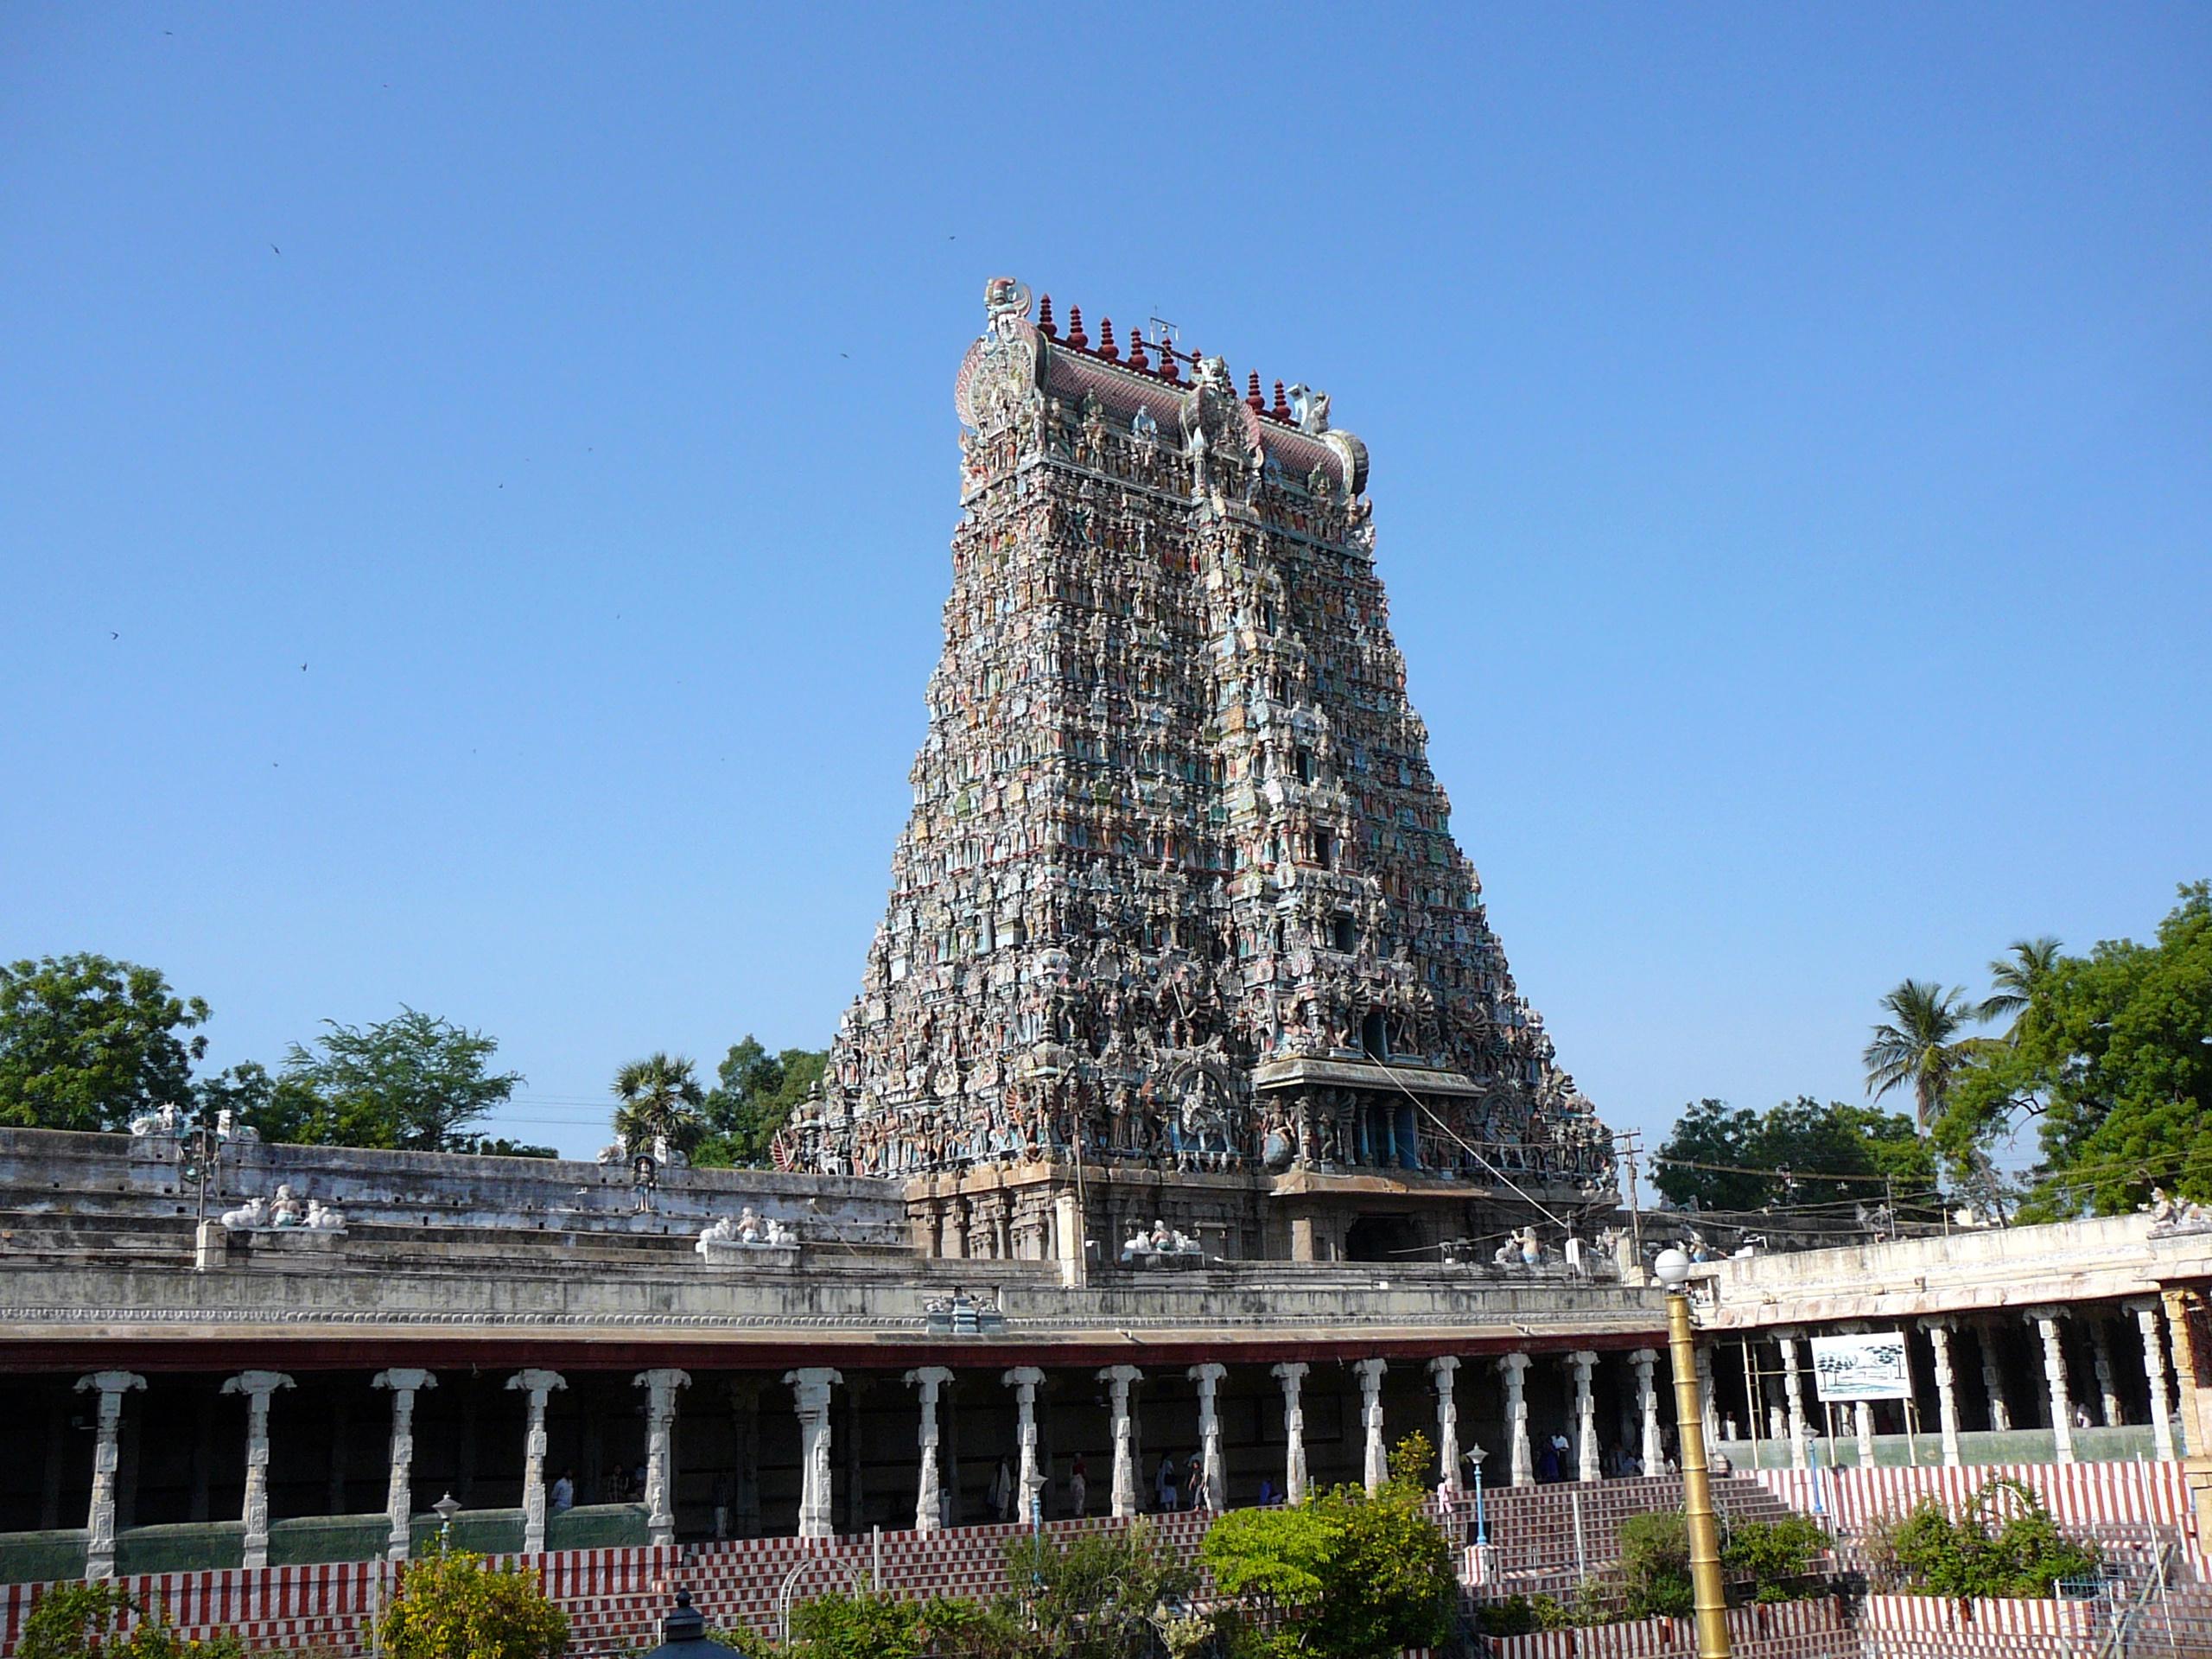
(1920, 1044)
(661, 1098)
(2016, 978)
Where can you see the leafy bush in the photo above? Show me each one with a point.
(455, 1605)
(744, 1639)
(1100, 1595)
(1655, 1565)
(862, 1624)
(73, 1621)
(1343, 1574)
(1776, 1556)
(2023, 1554)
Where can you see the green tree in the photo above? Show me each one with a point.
(1920, 1047)
(2014, 979)
(2004, 1544)
(275, 1107)
(660, 1100)
(88, 1043)
(1712, 1133)
(457, 1606)
(859, 1625)
(414, 1082)
(1799, 1152)
(2110, 1053)
(1342, 1574)
(104, 1621)
(754, 1095)
(1098, 1596)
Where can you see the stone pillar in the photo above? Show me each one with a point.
(743, 1393)
(660, 1471)
(928, 1493)
(2054, 1375)
(1068, 1227)
(1708, 1398)
(1371, 1416)
(399, 1488)
(1024, 1381)
(1513, 1369)
(2109, 1413)
(1582, 1364)
(855, 1486)
(1214, 1473)
(100, 1521)
(1652, 1455)
(810, 1386)
(1793, 1403)
(1993, 1381)
(1118, 1379)
(256, 1386)
(1947, 1393)
(1291, 1374)
(2154, 1370)
(1444, 1372)
(342, 1413)
(1862, 1419)
(536, 1385)
(57, 1443)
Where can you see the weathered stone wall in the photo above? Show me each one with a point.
(120, 1179)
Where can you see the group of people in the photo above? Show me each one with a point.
(1174, 1487)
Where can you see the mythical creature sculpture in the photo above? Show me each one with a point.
(249, 1216)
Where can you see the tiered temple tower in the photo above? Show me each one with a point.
(1179, 887)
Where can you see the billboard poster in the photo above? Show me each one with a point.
(1868, 1366)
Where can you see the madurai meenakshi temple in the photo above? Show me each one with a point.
(1188, 1142)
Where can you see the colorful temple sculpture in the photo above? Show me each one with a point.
(1178, 928)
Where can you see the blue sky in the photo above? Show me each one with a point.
(514, 448)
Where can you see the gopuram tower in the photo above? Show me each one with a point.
(1177, 931)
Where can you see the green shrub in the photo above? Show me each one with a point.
(743, 1638)
(455, 1605)
(1979, 1554)
(74, 1621)
(1355, 1576)
(1655, 1565)
(1508, 1616)
(1776, 1556)
(862, 1624)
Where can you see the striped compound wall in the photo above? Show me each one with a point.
(2081, 1495)
(614, 1597)
(1790, 1629)
(329, 1606)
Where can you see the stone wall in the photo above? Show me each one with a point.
(120, 1179)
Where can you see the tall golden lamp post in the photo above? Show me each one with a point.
(1673, 1270)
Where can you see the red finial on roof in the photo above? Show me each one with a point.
(1076, 338)
(1252, 392)
(1106, 346)
(1169, 368)
(1282, 410)
(1045, 324)
(1137, 359)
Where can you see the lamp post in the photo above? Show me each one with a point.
(1672, 1269)
(1475, 1456)
(446, 1507)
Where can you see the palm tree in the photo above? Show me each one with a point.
(661, 1098)
(2017, 978)
(1920, 1044)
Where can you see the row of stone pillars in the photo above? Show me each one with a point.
(258, 1388)
(813, 1387)
(2058, 1388)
